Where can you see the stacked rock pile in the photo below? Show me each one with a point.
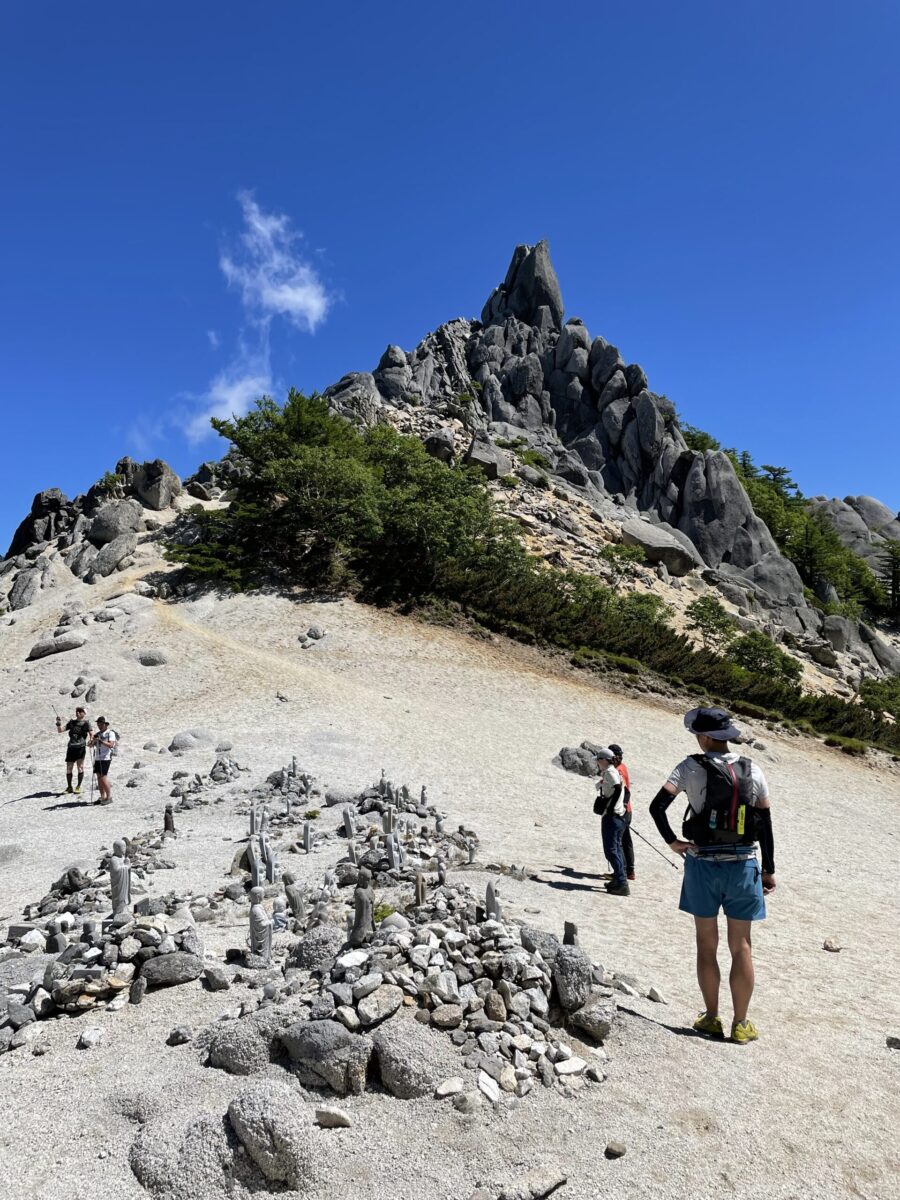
(510, 998)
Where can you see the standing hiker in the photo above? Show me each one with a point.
(627, 840)
(104, 745)
(611, 803)
(79, 731)
(727, 814)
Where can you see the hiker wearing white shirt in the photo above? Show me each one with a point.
(103, 743)
(728, 814)
(612, 804)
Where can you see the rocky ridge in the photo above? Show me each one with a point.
(574, 443)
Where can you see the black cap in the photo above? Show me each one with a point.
(617, 750)
(714, 723)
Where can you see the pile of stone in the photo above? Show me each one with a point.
(519, 1005)
(99, 957)
(441, 985)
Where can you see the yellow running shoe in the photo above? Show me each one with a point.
(743, 1032)
(711, 1026)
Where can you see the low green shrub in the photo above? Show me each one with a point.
(534, 458)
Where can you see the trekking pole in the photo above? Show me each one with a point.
(673, 865)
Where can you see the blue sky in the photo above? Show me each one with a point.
(205, 198)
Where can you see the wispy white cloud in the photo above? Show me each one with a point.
(266, 265)
(273, 276)
(231, 393)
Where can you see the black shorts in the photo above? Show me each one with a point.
(101, 766)
(75, 753)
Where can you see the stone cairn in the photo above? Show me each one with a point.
(385, 968)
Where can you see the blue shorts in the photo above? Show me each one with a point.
(735, 887)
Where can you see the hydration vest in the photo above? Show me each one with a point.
(728, 816)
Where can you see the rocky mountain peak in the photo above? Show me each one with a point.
(529, 292)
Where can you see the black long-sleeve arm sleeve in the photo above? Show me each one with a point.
(766, 839)
(658, 806)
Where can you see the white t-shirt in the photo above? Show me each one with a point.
(690, 777)
(610, 779)
(104, 753)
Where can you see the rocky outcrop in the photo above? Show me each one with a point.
(93, 535)
(525, 377)
(863, 524)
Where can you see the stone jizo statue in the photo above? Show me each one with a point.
(279, 915)
(260, 926)
(120, 878)
(363, 910)
(294, 895)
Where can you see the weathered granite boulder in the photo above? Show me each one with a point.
(169, 970)
(274, 1127)
(114, 520)
(659, 546)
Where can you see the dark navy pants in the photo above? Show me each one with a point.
(612, 828)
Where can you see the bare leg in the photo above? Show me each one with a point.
(741, 978)
(708, 975)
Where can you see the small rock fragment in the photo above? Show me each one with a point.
(614, 1149)
(332, 1118)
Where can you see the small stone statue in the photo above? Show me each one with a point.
(423, 798)
(363, 909)
(264, 822)
(283, 781)
(294, 766)
(420, 889)
(287, 804)
(279, 915)
(252, 819)
(439, 825)
(470, 846)
(570, 933)
(169, 819)
(119, 878)
(271, 861)
(260, 926)
(349, 828)
(307, 837)
(257, 866)
(441, 872)
(492, 902)
(351, 852)
(294, 895)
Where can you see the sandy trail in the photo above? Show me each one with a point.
(810, 1111)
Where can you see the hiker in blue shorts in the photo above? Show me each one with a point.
(728, 813)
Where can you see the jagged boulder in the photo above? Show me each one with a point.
(116, 519)
(154, 483)
(412, 1058)
(275, 1129)
(487, 457)
(324, 1052)
(113, 554)
(660, 546)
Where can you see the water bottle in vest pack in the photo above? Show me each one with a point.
(728, 815)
